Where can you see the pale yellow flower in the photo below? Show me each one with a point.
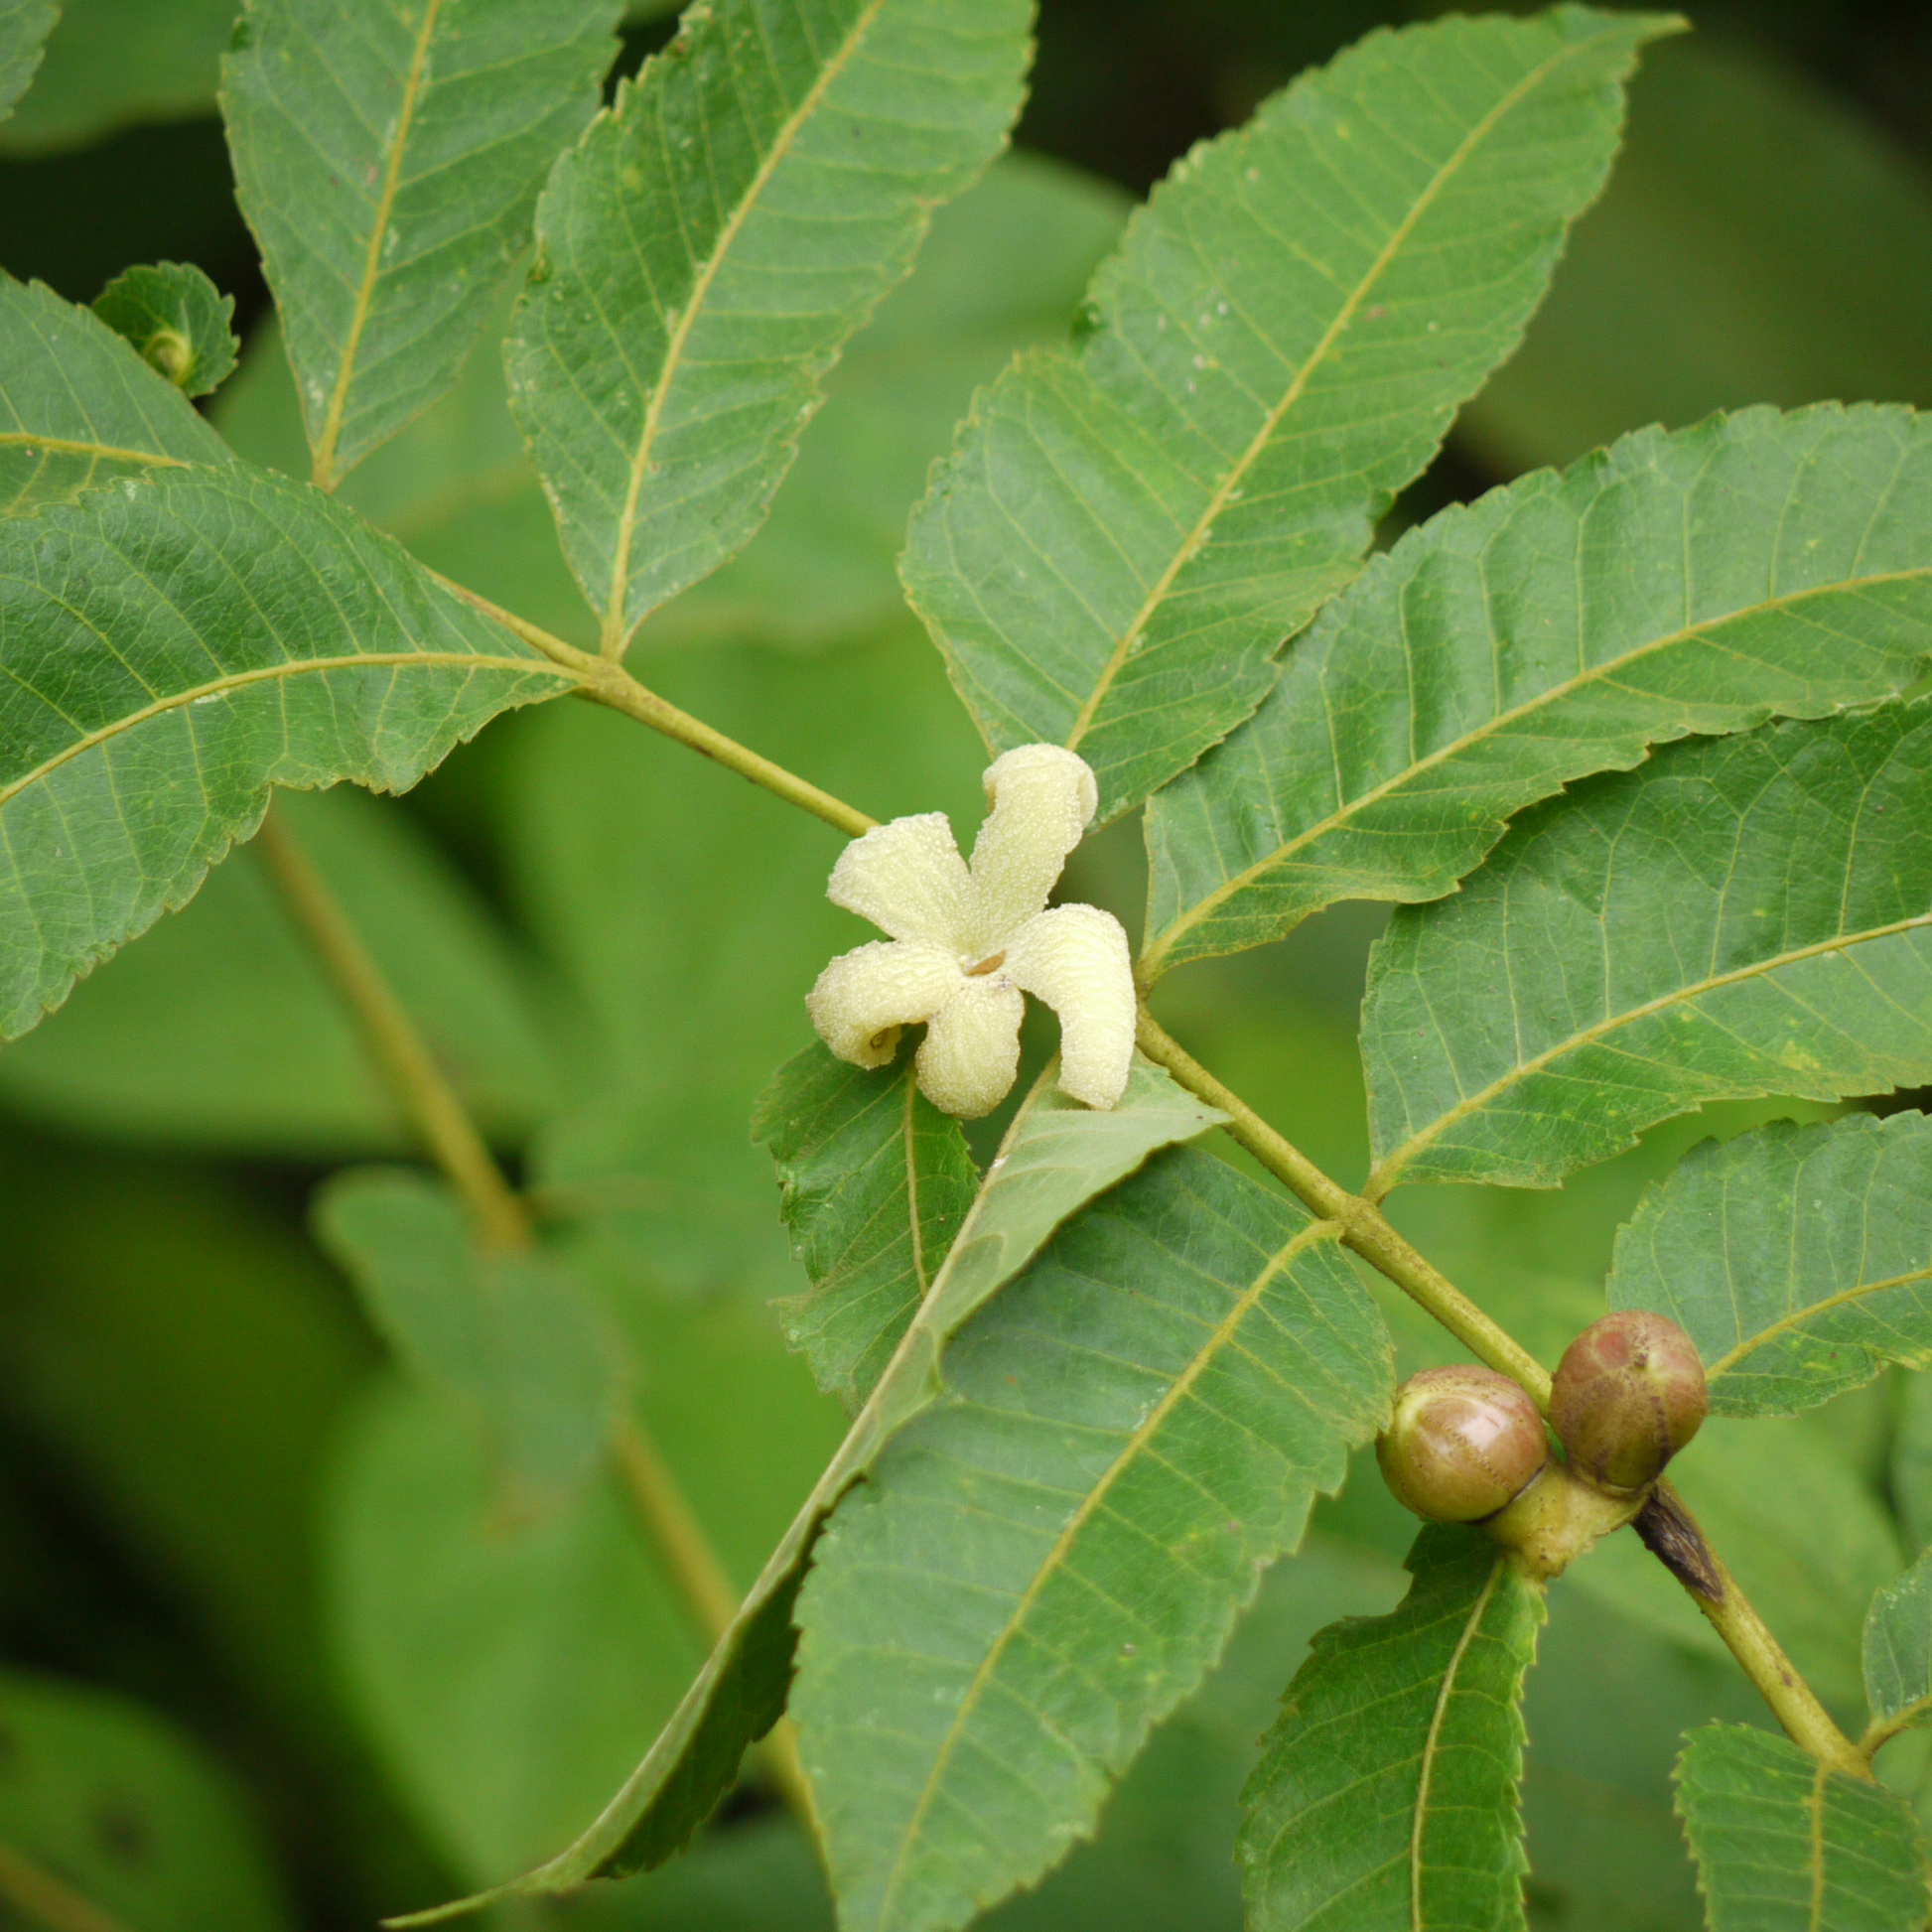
(968, 940)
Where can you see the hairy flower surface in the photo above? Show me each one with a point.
(968, 940)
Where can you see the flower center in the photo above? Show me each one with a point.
(991, 964)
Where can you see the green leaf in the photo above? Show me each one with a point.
(221, 1033)
(503, 1670)
(1740, 915)
(78, 407)
(1798, 1259)
(1783, 1846)
(1763, 239)
(1386, 1796)
(1055, 1156)
(516, 1337)
(1002, 269)
(122, 1808)
(506, 1671)
(1127, 531)
(1129, 1434)
(389, 160)
(873, 1183)
(174, 646)
(706, 249)
(179, 322)
(113, 63)
(23, 27)
(1898, 1649)
(1507, 647)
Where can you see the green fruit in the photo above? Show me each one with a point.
(1461, 1443)
(1628, 1394)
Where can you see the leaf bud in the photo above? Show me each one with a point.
(1461, 1443)
(1628, 1394)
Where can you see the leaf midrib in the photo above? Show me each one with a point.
(1388, 1172)
(1502, 722)
(325, 474)
(1218, 500)
(457, 660)
(1224, 1333)
(1431, 1742)
(615, 629)
(909, 1131)
(106, 452)
(1764, 1338)
(1815, 1807)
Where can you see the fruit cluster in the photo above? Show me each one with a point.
(1468, 1446)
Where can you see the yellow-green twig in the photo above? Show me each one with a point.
(1365, 1229)
(608, 683)
(398, 1050)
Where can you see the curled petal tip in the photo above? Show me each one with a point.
(1046, 768)
(864, 997)
(1076, 958)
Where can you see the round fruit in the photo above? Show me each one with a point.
(1628, 1394)
(1461, 1443)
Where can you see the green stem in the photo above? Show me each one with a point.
(1366, 1230)
(609, 684)
(503, 1221)
(1882, 1731)
(47, 1900)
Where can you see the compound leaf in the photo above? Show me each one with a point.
(175, 644)
(1507, 647)
(1740, 917)
(1055, 1156)
(1898, 1649)
(1127, 531)
(79, 406)
(513, 1335)
(1798, 1259)
(706, 249)
(1783, 1846)
(1131, 1432)
(177, 320)
(388, 159)
(23, 27)
(1386, 1796)
(874, 1184)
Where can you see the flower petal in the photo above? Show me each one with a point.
(907, 877)
(866, 995)
(1075, 958)
(1043, 800)
(971, 1048)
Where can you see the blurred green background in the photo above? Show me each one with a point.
(271, 1653)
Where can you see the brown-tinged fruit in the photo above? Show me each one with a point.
(1461, 1443)
(1628, 1394)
